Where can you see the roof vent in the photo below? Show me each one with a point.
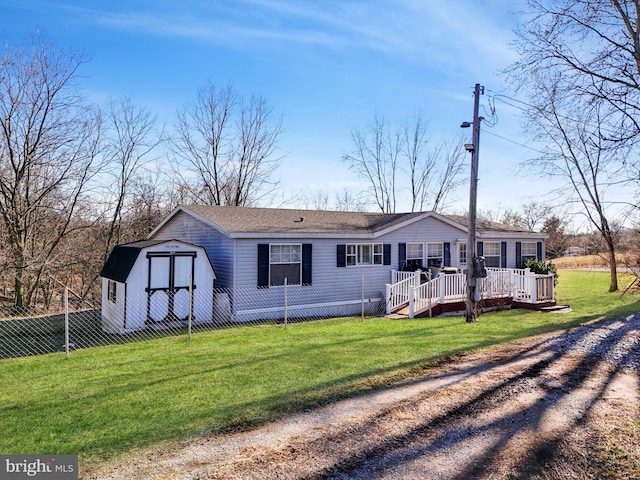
(300, 220)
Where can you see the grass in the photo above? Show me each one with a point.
(105, 401)
(593, 261)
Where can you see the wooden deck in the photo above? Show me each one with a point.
(410, 296)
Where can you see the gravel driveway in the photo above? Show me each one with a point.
(556, 406)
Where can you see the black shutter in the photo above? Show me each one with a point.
(503, 255)
(341, 256)
(539, 251)
(518, 254)
(263, 265)
(306, 264)
(447, 254)
(386, 254)
(479, 249)
(402, 255)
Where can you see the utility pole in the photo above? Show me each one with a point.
(472, 275)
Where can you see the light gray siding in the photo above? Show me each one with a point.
(330, 284)
(235, 262)
(219, 247)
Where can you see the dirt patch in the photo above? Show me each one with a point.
(563, 406)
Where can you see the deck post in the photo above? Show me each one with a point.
(442, 286)
(534, 289)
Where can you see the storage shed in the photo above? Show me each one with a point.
(146, 284)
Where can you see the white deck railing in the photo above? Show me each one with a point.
(408, 288)
(398, 292)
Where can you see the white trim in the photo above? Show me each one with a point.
(308, 305)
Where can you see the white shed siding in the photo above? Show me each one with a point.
(129, 312)
(218, 246)
(113, 312)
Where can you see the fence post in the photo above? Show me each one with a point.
(387, 293)
(285, 303)
(66, 321)
(362, 297)
(190, 318)
(411, 305)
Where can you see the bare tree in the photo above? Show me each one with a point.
(148, 205)
(588, 52)
(226, 147)
(580, 63)
(447, 176)
(576, 150)
(391, 161)
(375, 158)
(49, 141)
(318, 200)
(534, 214)
(129, 142)
(347, 201)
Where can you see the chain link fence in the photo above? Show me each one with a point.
(69, 323)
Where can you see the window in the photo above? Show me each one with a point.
(529, 251)
(285, 261)
(462, 255)
(111, 291)
(434, 255)
(492, 254)
(415, 255)
(358, 254)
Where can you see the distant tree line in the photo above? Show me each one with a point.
(77, 178)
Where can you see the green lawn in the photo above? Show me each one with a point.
(108, 400)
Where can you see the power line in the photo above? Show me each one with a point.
(514, 142)
(501, 98)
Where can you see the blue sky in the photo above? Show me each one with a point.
(327, 66)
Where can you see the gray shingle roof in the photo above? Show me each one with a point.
(486, 226)
(247, 220)
(281, 220)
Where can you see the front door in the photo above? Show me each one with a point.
(168, 286)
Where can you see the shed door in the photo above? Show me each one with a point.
(168, 286)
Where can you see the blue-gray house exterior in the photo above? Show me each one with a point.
(326, 256)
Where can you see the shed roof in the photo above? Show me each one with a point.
(123, 257)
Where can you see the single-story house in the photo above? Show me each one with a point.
(574, 252)
(326, 255)
(156, 283)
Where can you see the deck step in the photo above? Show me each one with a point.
(556, 309)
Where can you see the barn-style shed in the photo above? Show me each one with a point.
(146, 284)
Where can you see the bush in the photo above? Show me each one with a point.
(542, 268)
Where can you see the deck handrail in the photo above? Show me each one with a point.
(520, 284)
(397, 293)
